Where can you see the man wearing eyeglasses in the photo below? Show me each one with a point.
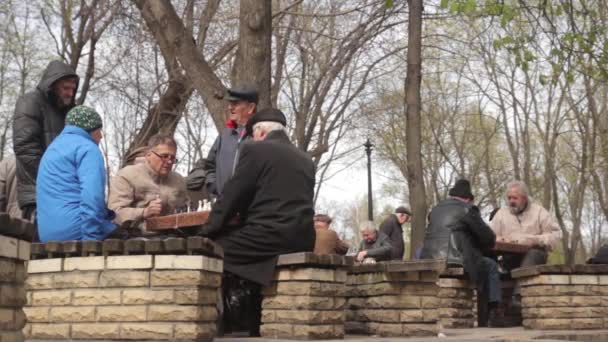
(148, 189)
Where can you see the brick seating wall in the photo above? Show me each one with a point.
(123, 290)
(394, 298)
(563, 297)
(457, 300)
(307, 298)
(13, 255)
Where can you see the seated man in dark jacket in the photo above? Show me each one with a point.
(271, 193)
(471, 237)
(375, 244)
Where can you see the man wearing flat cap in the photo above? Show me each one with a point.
(392, 227)
(272, 194)
(222, 158)
(457, 232)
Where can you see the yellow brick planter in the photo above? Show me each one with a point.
(307, 298)
(456, 300)
(394, 298)
(123, 297)
(556, 297)
(13, 255)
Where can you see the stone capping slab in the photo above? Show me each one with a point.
(454, 272)
(194, 245)
(126, 262)
(312, 259)
(437, 265)
(531, 271)
(13, 248)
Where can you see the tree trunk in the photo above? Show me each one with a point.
(413, 121)
(253, 56)
(169, 31)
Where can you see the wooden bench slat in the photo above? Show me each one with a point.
(53, 249)
(112, 247)
(37, 251)
(175, 245)
(154, 247)
(367, 268)
(134, 247)
(71, 248)
(416, 265)
(310, 258)
(591, 269)
(91, 248)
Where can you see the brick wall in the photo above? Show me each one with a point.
(394, 299)
(456, 303)
(13, 254)
(562, 297)
(307, 297)
(132, 297)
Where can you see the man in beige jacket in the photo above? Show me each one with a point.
(528, 223)
(148, 189)
(8, 187)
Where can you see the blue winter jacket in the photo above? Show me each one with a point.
(70, 197)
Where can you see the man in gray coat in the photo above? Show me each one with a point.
(39, 117)
(375, 244)
(221, 161)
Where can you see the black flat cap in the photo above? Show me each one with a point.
(266, 114)
(403, 210)
(244, 92)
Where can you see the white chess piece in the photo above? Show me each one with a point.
(200, 206)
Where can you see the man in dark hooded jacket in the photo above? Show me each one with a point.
(456, 227)
(39, 117)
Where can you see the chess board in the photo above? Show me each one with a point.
(175, 221)
(509, 247)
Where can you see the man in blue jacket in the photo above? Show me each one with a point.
(70, 196)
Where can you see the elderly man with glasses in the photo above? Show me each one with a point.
(148, 189)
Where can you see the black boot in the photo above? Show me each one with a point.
(496, 318)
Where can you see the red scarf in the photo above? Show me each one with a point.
(231, 124)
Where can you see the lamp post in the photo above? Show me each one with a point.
(370, 204)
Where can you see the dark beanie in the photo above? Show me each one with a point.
(462, 189)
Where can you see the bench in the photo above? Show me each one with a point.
(13, 255)
(395, 298)
(163, 290)
(563, 297)
(307, 297)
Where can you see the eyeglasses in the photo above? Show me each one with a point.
(166, 157)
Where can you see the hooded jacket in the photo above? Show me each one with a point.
(71, 190)
(36, 123)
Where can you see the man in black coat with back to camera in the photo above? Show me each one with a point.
(471, 237)
(271, 194)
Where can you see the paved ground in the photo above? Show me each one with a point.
(475, 335)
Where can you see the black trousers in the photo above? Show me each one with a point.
(242, 305)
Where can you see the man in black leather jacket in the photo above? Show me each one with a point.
(457, 231)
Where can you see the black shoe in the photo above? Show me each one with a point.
(496, 318)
